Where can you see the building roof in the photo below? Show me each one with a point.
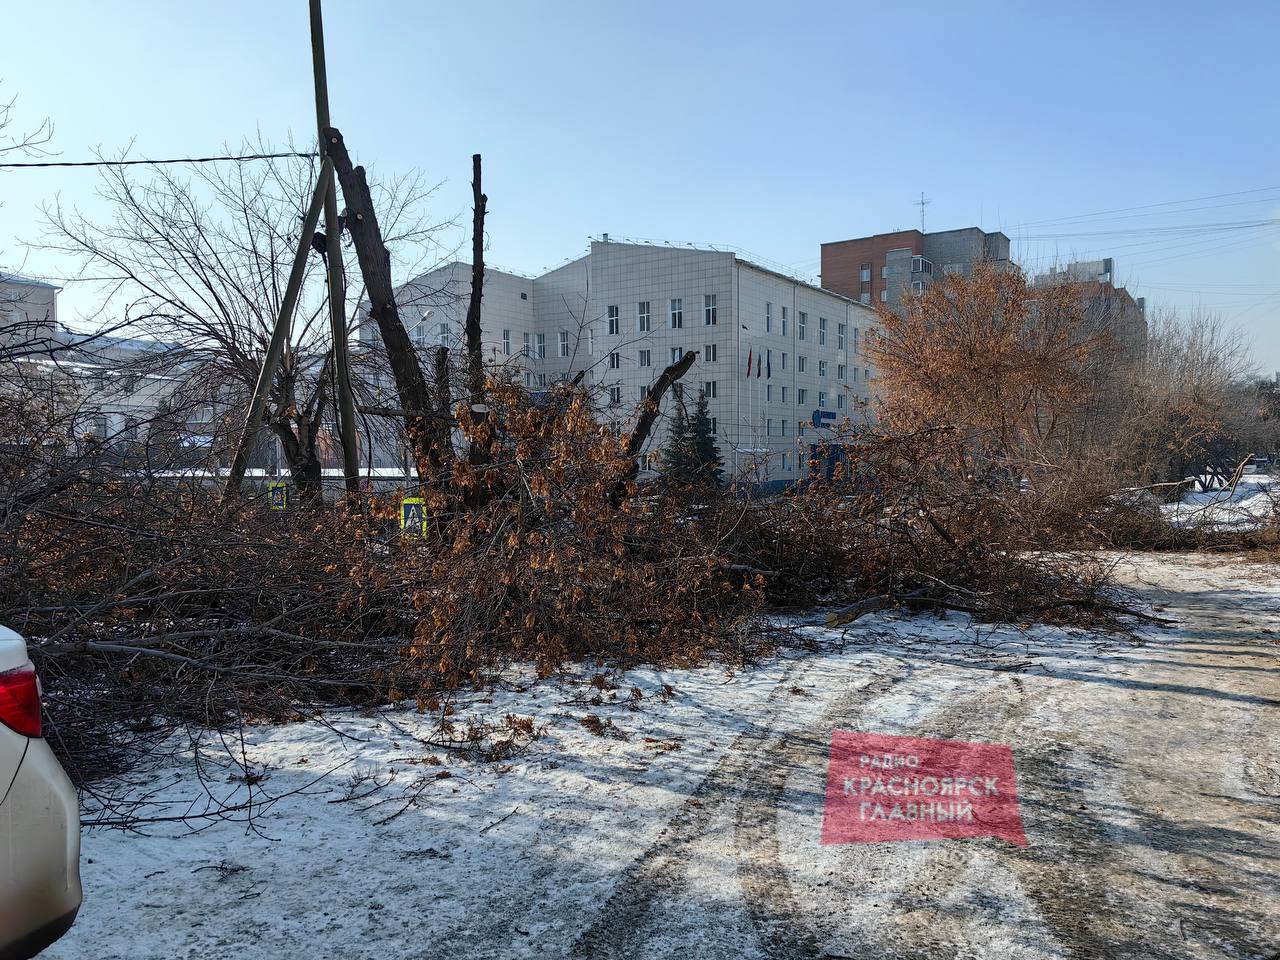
(912, 230)
(753, 264)
(21, 281)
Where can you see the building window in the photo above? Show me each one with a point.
(802, 323)
(768, 318)
(855, 374)
(822, 331)
(822, 399)
(709, 309)
(786, 463)
(840, 372)
(542, 379)
(768, 427)
(525, 349)
(615, 360)
(784, 394)
(855, 339)
(768, 393)
(675, 354)
(822, 368)
(865, 273)
(677, 313)
(709, 389)
(839, 401)
(801, 363)
(591, 342)
(917, 286)
(783, 425)
(612, 313)
(804, 428)
(921, 265)
(443, 334)
(524, 296)
(642, 316)
(528, 379)
(864, 297)
(642, 394)
(841, 338)
(784, 361)
(564, 343)
(506, 343)
(615, 396)
(646, 358)
(866, 374)
(884, 296)
(884, 272)
(715, 425)
(709, 353)
(802, 395)
(540, 345)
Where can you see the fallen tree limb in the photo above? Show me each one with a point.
(922, 601)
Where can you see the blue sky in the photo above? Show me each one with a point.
(767, 127)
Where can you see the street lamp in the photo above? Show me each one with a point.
(425, 317)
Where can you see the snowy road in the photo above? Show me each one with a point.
(1148, 774)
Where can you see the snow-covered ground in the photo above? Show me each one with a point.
(1149, 775)
(1250, 505)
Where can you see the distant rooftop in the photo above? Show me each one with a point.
(21, 281)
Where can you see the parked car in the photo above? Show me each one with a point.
(39, 817)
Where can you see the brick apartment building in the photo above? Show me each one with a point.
(1108, 307)
(879, 268)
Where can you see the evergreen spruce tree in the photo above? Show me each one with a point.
(680, 455)
(710, 466)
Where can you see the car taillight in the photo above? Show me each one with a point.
(20, 701)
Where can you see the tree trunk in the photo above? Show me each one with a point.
(479, 452)
(302, 457)
(375, 267)
(644, 425)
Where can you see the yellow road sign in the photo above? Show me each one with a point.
(278, 496)
(413, 516)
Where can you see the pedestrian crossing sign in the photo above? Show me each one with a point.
(413, 516)
(278, 496)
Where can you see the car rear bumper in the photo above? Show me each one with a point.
(39, 854)
(35, 941)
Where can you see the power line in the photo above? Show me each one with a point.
(241, 158)
(1166, 213)
(1181, 229)
(1146, 206)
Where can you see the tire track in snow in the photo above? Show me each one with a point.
(744, 786)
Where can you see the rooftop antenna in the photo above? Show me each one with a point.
(922, 203)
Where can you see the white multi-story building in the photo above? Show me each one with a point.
(775, 354)
(97, 386)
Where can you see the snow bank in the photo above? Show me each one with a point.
(1250, 506)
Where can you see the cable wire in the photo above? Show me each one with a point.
(242, 158)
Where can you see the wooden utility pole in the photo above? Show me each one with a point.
(280, 333)
(337, 289)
